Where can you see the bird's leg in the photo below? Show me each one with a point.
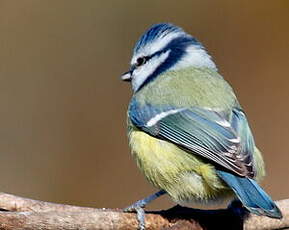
(138, 207)
(142, 203)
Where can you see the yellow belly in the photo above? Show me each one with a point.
(185, 176)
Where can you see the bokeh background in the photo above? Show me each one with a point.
(63, 106)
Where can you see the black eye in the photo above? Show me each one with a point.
(140, 61)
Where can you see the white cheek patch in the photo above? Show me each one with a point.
(158, 44)
(141, 73)
(197, 57)
(162, 115)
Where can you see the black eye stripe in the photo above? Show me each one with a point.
(144, 59)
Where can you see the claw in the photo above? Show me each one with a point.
(140, 213)
(138, 207)
(135, 206)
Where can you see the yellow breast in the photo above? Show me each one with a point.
(185, 176)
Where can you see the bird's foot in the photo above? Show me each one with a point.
(138, 207)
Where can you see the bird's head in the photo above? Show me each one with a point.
(164, 47)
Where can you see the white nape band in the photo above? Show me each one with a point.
(197, 57)
(162, 115)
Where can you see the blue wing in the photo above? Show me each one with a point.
(222, 137)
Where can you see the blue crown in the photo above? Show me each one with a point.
(161, 30)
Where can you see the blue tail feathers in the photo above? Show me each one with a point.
(253, 197)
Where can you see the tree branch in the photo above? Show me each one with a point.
(23, 213)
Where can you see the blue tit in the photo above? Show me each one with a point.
(187, 131)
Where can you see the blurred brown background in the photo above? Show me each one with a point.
(63, 106)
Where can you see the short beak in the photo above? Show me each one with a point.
(126, 76)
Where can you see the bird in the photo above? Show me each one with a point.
(187, 131)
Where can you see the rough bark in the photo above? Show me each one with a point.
(22, 213)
